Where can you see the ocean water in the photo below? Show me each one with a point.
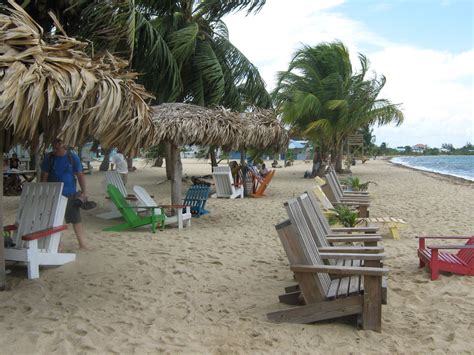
(455, 165)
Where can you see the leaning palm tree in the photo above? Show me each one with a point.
(181, 47)
(320, 95)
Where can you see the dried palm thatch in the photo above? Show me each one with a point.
(53, 88)
(180, 124)
(263, 130)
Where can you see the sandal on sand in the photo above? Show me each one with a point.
(88, 205)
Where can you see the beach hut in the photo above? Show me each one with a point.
(50, 89)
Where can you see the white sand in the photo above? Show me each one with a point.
(207, 289)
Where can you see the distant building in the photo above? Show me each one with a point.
(419, 148)
(298, 148)
(400, 149)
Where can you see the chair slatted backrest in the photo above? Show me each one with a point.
(41, 206)
(129, 214)
(264, 184)
(334, 189)
(467, 255)
(322, 198)
(337, 188)
(319, 213)
(224, 183)
(114, 178)
(308, 245)
(145, 199)
(196, 197)
(312, 219)
(224, 168)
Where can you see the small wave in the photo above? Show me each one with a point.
(406, 161)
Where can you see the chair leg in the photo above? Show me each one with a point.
(434, 264)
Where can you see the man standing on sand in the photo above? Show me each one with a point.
(64, 166)
(121, 166)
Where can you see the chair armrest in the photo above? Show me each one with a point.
(356, 229)
(351, 249)
(351, 203)
(354, 239)
(357, 235)
(446, 237)
(173, 206)
(137, 207)
(43, 233)
(340, 270)
(10, 228)
(352, 256)
(451, 247)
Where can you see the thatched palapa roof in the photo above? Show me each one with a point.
(53, 87)
(181, 124)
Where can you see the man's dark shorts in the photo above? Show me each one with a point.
(73, 211)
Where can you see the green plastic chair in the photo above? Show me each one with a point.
(129, 213)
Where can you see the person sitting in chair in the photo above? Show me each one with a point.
(264, 171)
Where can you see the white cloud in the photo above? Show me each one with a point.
(435, 88)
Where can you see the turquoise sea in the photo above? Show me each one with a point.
(455, 165)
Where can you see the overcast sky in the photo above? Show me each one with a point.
(423, 47)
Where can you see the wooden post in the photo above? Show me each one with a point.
(244, 177)
(3, 275)
(372, 308)
(176, 176)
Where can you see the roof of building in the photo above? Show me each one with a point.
(297, 144)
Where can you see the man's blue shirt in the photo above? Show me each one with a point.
(62, 171)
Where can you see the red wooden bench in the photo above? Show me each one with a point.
(461, 262)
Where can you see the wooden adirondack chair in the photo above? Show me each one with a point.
(182, 215)
(460, 263)
(114, 178)
(321, 231)
(225, 186)
(328, 230)
(129, 213)
(300, 211)
(262, 186)
(196, 197)
(331, 173)
(37, 230)
(357, 291)
(331, 192)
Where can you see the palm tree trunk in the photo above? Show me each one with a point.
(212, 153)
(177, 174)
(169, 164)
(339, 155)
(317, 162)
(130, 164)
(104, 166)
(3, 274)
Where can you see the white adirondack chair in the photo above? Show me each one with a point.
(181, 218)
(37, 230)
(225, 184)
(224, 168)
(114, 178)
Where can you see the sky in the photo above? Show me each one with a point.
(423, 47)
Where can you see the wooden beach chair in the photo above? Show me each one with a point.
(196, 197)
(331, 174)
(460, 263)
(182, 215)
(357, 290)
(362, 205)
(37, 230)
(225, 186)
(129, 213)
(319, 213)
(262, 186)
(114, 178)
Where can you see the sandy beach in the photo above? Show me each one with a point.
(207, 289)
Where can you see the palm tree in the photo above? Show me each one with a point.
(181, 47)
(320, 95)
